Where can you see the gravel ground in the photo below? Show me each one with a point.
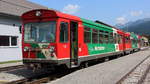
(147, 79)
(10, 64)
(136, 75)
(104, 73)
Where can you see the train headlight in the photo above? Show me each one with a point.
(38, 13)
(52, 49)
(26, 49)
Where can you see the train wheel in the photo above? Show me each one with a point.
(106, 59)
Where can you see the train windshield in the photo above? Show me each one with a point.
(40, 32)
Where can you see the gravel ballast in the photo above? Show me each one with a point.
(104, 73)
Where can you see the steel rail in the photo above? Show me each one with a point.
(11, 68)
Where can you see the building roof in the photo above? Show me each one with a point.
(17, 7)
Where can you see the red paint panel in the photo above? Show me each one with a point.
(82, 47)
(121, 45)
(63, 49)
(128, 45)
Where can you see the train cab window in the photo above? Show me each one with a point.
(101, 36)
(40, 32)
(87, 35)
(94, 36)
(64, 32)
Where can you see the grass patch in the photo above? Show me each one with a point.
(14, 61)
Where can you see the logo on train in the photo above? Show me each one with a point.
(99, 48)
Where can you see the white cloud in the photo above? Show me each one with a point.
(71, 9)
(136, 13)
(121, 20)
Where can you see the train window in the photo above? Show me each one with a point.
(64, 32)
(40, 32)
(101, 36)
(119, 39)
(127, 40)
(111, 39)
(87, 35)
(106, 32)
(115, 38)
(94, 36)
(106, 37)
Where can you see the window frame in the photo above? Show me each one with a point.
(101, 32)
(95, 31)
(52, 20)
(106, 39)
(111, 38)
(87, 29)
(10, 42)
(67, 32)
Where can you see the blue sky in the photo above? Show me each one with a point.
(108, 11)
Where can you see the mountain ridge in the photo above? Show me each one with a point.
(141, 26)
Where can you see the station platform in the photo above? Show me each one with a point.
(10, 64)
(105, 73)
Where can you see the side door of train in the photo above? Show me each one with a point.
(73, 43)
(63, 45)
(68, 41)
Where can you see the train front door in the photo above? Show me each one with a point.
(74, 44)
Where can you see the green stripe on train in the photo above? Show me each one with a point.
(100, 48)
(134, 43)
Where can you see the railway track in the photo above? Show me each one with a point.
(138, 74)
(41, 77)
(11, 68)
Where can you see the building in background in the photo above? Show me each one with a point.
(144, 41)
(10, 24)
